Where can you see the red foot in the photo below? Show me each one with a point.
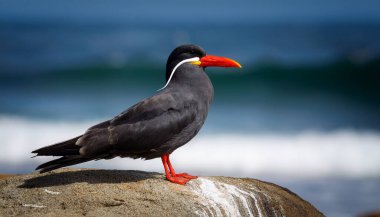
(186, 176)
(180, 178)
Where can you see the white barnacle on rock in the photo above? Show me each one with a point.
(221, 199)
(52, 192)
(33, 205)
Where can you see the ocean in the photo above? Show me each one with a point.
(303, 112)
(337, 171)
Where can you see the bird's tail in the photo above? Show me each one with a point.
(62, 162)
(69, 152)
(59, 149)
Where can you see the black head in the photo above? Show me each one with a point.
(180, 53)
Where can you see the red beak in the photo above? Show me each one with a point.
(210, 60)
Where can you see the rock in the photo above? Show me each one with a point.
(371, 214)
(3, 176)
(79, 192)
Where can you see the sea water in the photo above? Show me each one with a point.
(336, 171)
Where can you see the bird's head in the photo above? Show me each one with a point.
(192, 54)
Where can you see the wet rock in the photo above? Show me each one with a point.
(74, 192)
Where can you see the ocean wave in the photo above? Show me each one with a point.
(340, 153)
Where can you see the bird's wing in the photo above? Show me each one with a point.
(148, 109)
(143, 127)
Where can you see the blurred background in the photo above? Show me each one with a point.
(304, 112)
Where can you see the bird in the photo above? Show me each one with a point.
(153, 127)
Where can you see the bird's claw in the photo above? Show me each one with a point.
(178, 180)
(186, 176)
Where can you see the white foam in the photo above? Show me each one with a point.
(306, 154)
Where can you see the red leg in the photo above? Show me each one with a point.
(184, 175)
(169, 176)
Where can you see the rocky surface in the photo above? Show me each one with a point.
(73, 192)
